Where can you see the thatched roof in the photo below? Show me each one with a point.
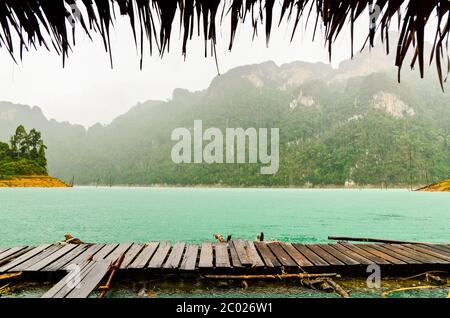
(50, 24)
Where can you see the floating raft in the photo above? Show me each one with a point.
(234, 257)
(242, 255)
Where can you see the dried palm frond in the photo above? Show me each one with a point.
(26, 24)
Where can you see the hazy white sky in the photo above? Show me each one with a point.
(88, 91)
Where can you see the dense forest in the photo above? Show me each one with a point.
(354, 125)
(24, 155)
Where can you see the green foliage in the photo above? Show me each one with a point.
(341, 137)
(25, 155)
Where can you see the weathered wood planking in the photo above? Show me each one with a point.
(298, 257)
(269, 259)
(401, 253)
(190, 258)
(435, 248)
(144, 256)
(253, 255)
(175, 255)
(222, 258)
(68, 283)
(118, 252)
(376, 259)
(4, 249)
(425, 258)
(11, 252)
(361, 259)
(395, 254)
(444, 247)
(389, 258)
(418, 249)
(206, 256)
(51, 258)
(443, 259)
(131, 254)
(311, 256)
(241, 250)
(37, 258)
(65, 259)
(283, 258)
(104, 252)
(159, 256)
(91, 280)
(17, 261)
(84, 256)
(338, 255)
(330, 259)
(234, 256)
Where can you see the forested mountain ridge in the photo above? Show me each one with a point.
(351, 125)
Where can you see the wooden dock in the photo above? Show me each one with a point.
(234, 257)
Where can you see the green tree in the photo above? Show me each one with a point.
(35, 144)
(20, 146)
(4, 151)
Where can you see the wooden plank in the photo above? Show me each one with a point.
(426, 258)
(4, 249)
(340, 256)
(15, 255)
(118, 252)
(241, 250)
(355, 248)
(190, 258)
(298, 257)
(406, 253)
(380, 254)
(330, 259)
(436, 248)
(51, 258)
(131, 254)
(395, 254)
(59, 264)
(22, 267)
(206, 256)
(104, 252)
(445, 247)
(11, 252)
(175, 255)
(311, 256)
(23, 258)
(86, 255)
(429, 252)
(91, 280)
(253, 255)
(234, 256)
(361, 259)
(269, 259)
(143, 258)
(283, 257)
(62, 288)
(222, 258)
(160, 255)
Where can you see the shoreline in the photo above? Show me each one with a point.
(221, 186)
(37, 181)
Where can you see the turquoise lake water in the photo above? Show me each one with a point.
(34, 216)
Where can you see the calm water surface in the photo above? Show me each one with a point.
(34, 216)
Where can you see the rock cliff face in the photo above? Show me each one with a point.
(391, 104)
